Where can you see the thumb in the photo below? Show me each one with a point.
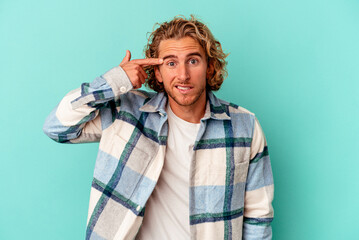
(127, 58)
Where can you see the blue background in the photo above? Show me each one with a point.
(293, 63)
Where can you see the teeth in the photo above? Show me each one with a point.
(182, 88)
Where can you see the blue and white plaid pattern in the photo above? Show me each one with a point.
(231, 184)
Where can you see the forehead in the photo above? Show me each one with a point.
(182, 46)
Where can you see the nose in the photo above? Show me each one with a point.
(182, 72)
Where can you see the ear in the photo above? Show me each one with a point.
(158, 74)
(210, 70)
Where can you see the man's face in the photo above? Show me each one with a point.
(183, 72)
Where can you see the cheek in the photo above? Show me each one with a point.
(167, 74)
(199, 74)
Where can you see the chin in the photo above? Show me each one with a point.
(186, 101)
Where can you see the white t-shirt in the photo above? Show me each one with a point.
(167, 210)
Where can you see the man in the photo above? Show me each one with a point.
(176, 164)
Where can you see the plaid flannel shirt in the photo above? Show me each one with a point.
(231, 184)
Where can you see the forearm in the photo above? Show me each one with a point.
(77, 115)
(258, 210)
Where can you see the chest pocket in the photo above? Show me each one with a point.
(121, 165)
(134, 163)
(234, 182)
(224, 175)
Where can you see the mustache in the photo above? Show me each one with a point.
(184, 82)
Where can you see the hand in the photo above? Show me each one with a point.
(134, 68)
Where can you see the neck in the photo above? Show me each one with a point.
(192, 113)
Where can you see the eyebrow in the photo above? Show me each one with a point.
(174, 56)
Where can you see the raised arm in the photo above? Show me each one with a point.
(258, 210)
(78, 117)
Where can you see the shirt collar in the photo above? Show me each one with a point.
(214, 108)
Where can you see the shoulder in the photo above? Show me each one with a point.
(242, 120)
(136, 96)
(234, 109)
(246, 122)
(139, 94)
(134, 101)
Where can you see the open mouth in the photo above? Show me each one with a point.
(184, 89)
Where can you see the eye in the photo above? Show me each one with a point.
(193, 61)
(171, 64)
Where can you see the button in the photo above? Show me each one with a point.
(123, 89)
(138, 208)
(161, 114)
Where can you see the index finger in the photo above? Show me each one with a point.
(148, 61)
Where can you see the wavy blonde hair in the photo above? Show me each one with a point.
(181, 27)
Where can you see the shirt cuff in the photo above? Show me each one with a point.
(118, 80)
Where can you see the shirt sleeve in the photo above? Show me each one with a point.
(258, 210)
(80, 114)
